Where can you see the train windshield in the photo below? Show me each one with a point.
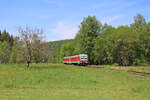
(84, 57)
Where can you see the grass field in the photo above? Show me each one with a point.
(66, 82)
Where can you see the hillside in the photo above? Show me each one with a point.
(59, 42)
(54, 48)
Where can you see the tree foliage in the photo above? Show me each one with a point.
(66, 50)
(104, 44)
(32, 44)
(139, 22)
(6, 44)
(88, 31)
(4, 52)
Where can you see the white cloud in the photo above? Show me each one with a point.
(68, 30)
(102, 5)
(65, 30)
(114, 4)
(108, 20)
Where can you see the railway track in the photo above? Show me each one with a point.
(134, 72)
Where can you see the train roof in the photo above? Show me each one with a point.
(77, 55)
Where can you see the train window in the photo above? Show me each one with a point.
(73, 58)
(84, 58)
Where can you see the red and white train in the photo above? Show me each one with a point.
(81, 59)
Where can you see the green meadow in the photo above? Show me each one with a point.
(68, 82)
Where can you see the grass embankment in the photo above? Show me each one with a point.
(66, 82)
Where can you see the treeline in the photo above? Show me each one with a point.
(28, 47)
(6, 45)
(105, 44)
(15, 49)
(54, 50)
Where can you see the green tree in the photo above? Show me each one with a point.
(104, 46)
(4, 52)
(125, 40)
(66, 50)
(89, 29)
(145, 44)
(5, 36)
(139, 22)
(39, 49)
(77, 44)
(17, 54)
(54, 53)
(0, 35)
(31, 39)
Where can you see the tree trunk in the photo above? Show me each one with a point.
(28, 64)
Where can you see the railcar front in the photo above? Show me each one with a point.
(81, 59)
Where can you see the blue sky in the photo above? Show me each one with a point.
(59, 19)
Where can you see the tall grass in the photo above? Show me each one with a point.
(67, 82)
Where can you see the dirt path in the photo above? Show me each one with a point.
(134, 72)
(92, 66)
(131, 71)
(140, 73)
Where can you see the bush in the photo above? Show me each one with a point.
(137, 62)
(115, 64)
